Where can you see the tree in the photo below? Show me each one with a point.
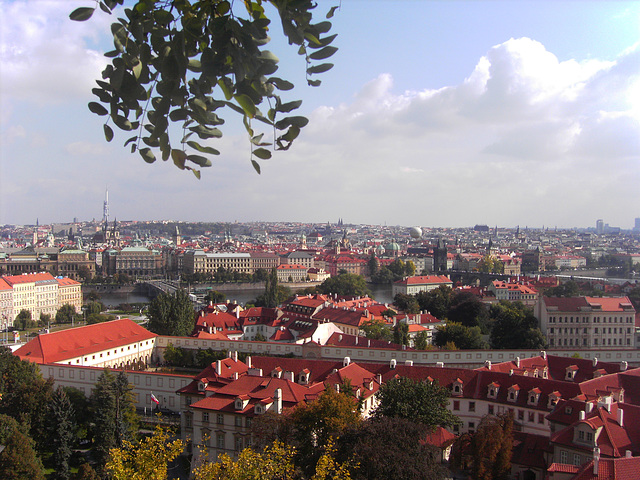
(172, 314)
(373, 264)
(384, 276)
(436, 301)
(66, 314)
(185, 62)
(490, 264)
(45, 319)
(114, 415)
(23, 392)
(567, 289)
(420, 401)
(146, 459)
(18, 460)
(23, 320)
(346, 284)
(409, 268)
(390, 447)
(95, 306)
(468, 310)
(61, 431)
(491, 447)
(401, 333)
(376, 330)
(421, 340)
(406, 303)
(99, 318)
(465, 338)
(514, 327)
(215, 297)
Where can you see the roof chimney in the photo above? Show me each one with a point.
(582, 415)
(277, 399)
(219, 367)
(543, 354)
(623, 366)
(595, 361)
(248, 361)
(346, 361)
(234, 355)
(620, 416)
(628, 454)
(596, 460)
(589, 407)
(440, 364)
(487, 364)
(392, 363)
(518, 362)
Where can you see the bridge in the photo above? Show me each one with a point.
(157, 287)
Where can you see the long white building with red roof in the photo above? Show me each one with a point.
(422, 283)
(117, 344)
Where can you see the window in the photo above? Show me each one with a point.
(576, 459)
(220, 440)
(248, 422)
(520, 414)
(540, 418)
(490, 408)
(472, 426)
(472, 406)
(238, 444)
(563, 456)
(238, 421)
(581, 435)
(456, 405)
(220, 419)
(205, 417)
(532, 417)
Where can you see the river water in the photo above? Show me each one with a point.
(381, 293)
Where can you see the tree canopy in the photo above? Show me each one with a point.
(177, 66)
(420, 401)
(464, 338)
(171, 314)
(345, 284)
(515, 326)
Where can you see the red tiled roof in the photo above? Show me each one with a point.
(425, 280)
(76, 342)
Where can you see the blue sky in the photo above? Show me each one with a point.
(437, 113)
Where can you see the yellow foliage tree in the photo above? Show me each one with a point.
(146, 459)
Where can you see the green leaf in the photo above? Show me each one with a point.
(196, 173)
(262, 153)
(179, 114)
(280, 83)
(270, 56)
(225, 86)
(319, 68)
(200, 148)
(247, 104)
(179, 157)
(287, 107)
(204, 132)
(299, 122)
(326, 52)
(108, 132)
(129, 140)
(314, 83)
(146, 154)
(331, 11)
(256, 166)
(199, 160)
(322, 27)
(81, 14)
(97, 108)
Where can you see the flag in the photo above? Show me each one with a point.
(154, 399)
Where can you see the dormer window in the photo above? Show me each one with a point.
(241, 402)
(534, 396)
(303, 377)
(202, 385)
(535, 373)
(570, 372)
(276, 372)
(258, 409)
(512, 395)
(545, 372)
(492, 392)
(553, 399)
(457, 387)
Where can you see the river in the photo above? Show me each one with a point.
(381, 293)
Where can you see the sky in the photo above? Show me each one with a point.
(436, 113)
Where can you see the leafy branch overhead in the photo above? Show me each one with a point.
(177, 65)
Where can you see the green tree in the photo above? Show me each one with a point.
(66, 314)
(401, 333)
(99, 318)
(468, 310)
(23, 392)
(347, 284)
(567, 289)
(172, 314)
(95, 306)
(215, 297)
(384, 276)
(421, 340)
(420, 401)
(373, 264)
(409, 268)
(61, 431)
(464, 338)
(114, 415)
(23, 320)
(514, 327)
(376, 330)
(18, 460)
(436, 301)
(188, 62)
(491, 447)
(390, 447)
(406, 303)
(45, 319)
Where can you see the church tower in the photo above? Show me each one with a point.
(440, 257)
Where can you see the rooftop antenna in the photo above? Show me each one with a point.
(105, 207)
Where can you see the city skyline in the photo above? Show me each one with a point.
(516, 122)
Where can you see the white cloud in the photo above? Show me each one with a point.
(44, 55)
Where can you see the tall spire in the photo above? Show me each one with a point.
(105, 207)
